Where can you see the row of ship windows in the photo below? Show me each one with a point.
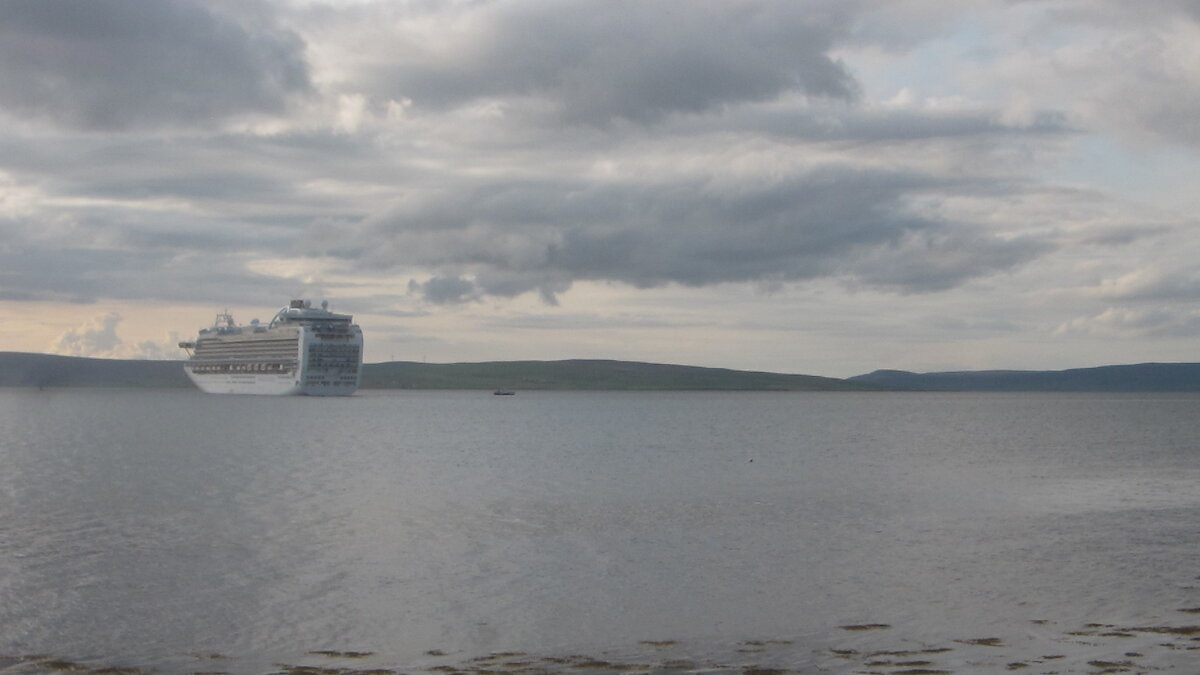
(333, 349)
(345, 376)
(246, 352)
(333, 356)
(271, 346)
(291, 340)
(283, 346)
(258, 358)
(332, 363)
(268, 368)
(241, 344)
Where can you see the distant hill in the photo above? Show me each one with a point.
(1145, 377)
(47, 370)
(19, 369)
(588, 374)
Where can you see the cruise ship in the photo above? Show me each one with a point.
(302, 351)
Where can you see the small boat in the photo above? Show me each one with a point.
(503, 392)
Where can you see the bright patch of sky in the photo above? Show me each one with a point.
(929, 73)
(1160, 177)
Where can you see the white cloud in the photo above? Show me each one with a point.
(97, 337)
(1127, 69)
(1136, 323)
(1154, 283)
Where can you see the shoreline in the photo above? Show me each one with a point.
(1041, 647)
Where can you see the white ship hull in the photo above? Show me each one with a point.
(304, 351)
(241, 383)
(270, 385)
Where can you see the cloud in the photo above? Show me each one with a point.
(124, 64)
(1136, 323)
(599, 61)
(902, 25)
(444, 290)
(39, 272)
(751, 158)
(543, 235)
(939, 261)
(98, 337)
(1115, 66)
(1154, 284)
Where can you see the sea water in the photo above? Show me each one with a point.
(172, 531)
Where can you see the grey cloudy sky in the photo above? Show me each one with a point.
(816, 186)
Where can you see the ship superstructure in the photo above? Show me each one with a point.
(303, 350)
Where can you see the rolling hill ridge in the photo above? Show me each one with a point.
(21, 369)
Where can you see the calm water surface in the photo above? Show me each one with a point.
(181, 532)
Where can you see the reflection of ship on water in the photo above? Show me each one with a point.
(303, 350)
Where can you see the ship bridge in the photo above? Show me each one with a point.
(302, 312)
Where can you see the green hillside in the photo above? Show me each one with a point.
(587, 374)
(47, 370)
(20, 369)
(1163, 377)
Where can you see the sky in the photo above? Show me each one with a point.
(805, 186)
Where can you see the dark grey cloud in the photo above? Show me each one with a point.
(837, 222)
(33, 272)
(200, 192)
(563, 319)
(78, 274)
(884, 126)
(124, 64)
(1123, 235)
(943, 259)
(597, 61)
(445, 290)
